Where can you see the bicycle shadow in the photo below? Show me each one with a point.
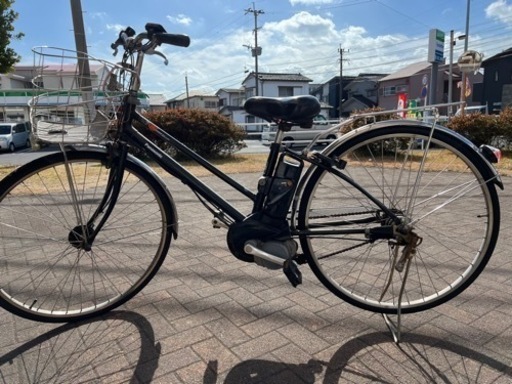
(116, 347)
(375, 358)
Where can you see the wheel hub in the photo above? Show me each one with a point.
(78, 237)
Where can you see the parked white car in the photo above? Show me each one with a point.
(14, 135)
(298, 135)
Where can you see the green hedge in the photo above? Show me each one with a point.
(485, 129)
(207, 133)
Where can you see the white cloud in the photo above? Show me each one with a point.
(180, 19)
(115, 27)
(305, 42)
(303, 30)
(500, 10)
(98, 15)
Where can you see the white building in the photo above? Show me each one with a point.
(231, 104)
(273, 85)
(18, 87)
(194, 99)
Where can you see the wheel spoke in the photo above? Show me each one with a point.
(438, 192)
(47, 273)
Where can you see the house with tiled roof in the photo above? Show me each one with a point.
(271, 85)
(194, 99)
(412, 81)
(276, 84)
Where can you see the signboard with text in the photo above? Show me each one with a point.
(436, 46)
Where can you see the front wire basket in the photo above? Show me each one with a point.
(79, 98)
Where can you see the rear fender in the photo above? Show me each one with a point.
(489, 172)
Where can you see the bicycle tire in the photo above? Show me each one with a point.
(449, 204)
(44, 277)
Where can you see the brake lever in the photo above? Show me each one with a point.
(153, 51)
(162, 56)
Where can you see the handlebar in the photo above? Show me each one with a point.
(155, 34)
(145, 43)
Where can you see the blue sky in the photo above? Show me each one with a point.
(296, 35)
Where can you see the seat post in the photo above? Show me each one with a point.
(281, 128)
(279, 135)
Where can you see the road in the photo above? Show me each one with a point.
(21, 157)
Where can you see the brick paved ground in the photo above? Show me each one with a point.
(209, 318)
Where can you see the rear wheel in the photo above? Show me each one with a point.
(439, 191)
(47, 272)
(329, 139)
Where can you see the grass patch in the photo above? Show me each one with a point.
(248, 163)
(234, 164)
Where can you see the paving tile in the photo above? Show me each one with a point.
(209, 318)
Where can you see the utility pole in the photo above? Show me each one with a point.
(256, 51)
(341, 51)
(450, 75)
(84, 72)
(464, 74)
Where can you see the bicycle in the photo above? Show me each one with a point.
(86, 228)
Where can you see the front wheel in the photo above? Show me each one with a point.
(438, 190)
(46, 273)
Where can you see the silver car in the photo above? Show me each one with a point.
(14, 135)
(298, 135)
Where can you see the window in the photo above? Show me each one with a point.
(285, 91)
(238, 101)
(249, 92)
(388, 91)
(19, 128)
(496, 77)
(393, 90)
(210, 104)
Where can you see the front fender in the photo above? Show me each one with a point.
(174, 212)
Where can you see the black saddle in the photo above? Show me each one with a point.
(295, 110)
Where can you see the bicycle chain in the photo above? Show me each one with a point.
(344, 250)
(341, 214)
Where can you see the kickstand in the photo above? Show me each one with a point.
(395, 328)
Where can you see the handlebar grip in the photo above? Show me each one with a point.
(172, 39)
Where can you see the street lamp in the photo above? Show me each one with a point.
(453, 42)
(464, 74)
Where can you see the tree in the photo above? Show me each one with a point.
(8, 57)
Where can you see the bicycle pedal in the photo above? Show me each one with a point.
(291, 271)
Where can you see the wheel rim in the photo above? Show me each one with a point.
(358, 271)
(45, 273)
